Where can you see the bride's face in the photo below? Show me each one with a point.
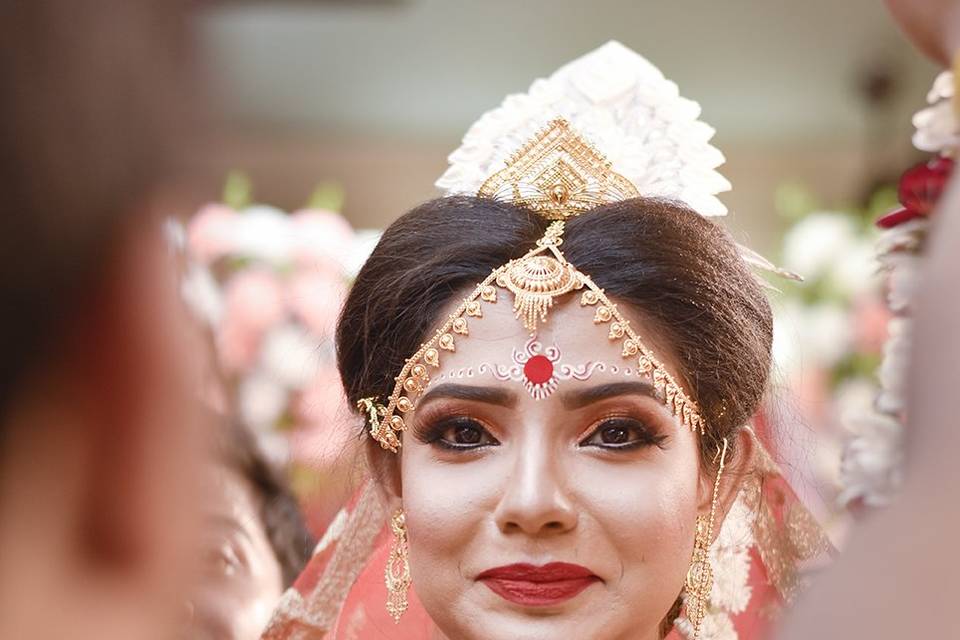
(565, 516)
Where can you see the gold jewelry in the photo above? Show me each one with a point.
(570, 177)
(699, 581)
(559, 175)
(397, 574)
(374, 413)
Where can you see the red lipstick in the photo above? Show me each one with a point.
(533, 586)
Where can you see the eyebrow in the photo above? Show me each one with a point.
(490, 395)
(229, 522)
(583, 397)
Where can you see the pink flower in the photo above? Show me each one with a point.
(210, 233)
(237, 345)
(315, 297)
(870, 319)
(323, 239)
(254, 299)
(329, 427)
(253, 303)
(811, 389)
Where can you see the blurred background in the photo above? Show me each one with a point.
(339, 116)
(374, 94)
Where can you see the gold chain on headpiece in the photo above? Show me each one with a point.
(558, 175)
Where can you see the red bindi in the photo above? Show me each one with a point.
(538, 369)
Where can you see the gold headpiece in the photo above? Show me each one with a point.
(558, 175)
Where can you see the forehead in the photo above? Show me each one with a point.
(229, 494)
(499, 338)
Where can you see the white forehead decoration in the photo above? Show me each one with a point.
(626, 108)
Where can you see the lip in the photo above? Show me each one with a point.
(533, 586)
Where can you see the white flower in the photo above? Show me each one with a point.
(718, 626)
(870, 469)
(904, 277)
(855, 270)
(364, 242)
(730, 559)
(290, 356)
(275, 446)
(893, 369)
(175, 233)
(828, 333)
(737, 529)
(903, 237)
(854, 397)
(936, 128)
(942, 88)
(319, 234)
(203, 297)
(898, 254)
(731, 589)
(810, 337)
(262, 400)
(264, 233)
(817, 241)
(715, 626)
(936, 125)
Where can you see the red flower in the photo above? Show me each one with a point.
(919, 190)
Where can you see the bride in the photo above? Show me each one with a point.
(556, 365)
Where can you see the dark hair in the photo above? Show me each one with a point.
(279, 510)
(680, 271)
(95, 109)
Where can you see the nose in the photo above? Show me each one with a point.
(535, 501)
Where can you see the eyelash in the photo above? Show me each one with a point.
(434, 434)
(645, 436)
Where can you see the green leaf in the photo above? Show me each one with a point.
(881, 202)
(237, 190)
(793, 200)
(328, 196)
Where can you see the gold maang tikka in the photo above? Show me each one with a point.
(558, 175)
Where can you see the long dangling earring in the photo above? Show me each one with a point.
(699, 582)
(397, 574)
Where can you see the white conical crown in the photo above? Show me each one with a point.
(621, 104)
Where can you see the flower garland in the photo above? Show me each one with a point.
(871, 466)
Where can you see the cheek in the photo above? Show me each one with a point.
(447, 507)
(644, 514)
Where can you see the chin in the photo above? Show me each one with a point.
(579, 618)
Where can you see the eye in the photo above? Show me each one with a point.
(222, 560)
(622, 433)
(462, 433)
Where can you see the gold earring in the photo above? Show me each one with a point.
(699, 577)
(397, 574)
(699, 581)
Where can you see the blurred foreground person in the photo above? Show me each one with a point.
(255, 542)
(99, 448)
(932, 25)
(897, 577)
